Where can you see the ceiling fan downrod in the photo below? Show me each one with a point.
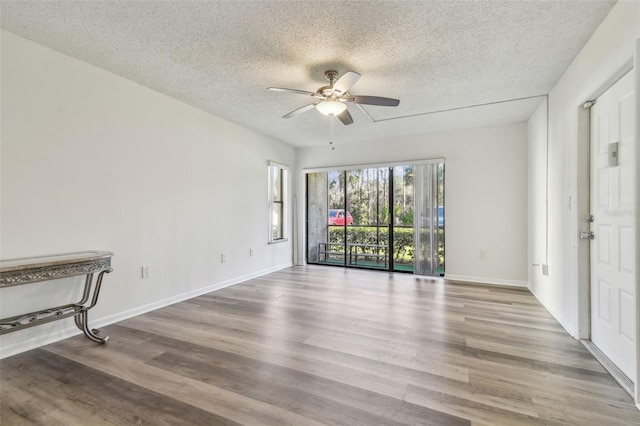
(327, 91)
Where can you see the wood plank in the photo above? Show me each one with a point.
(468, 408)
(226, 404)
(74, 393)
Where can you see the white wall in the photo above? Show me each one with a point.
(609, 48)
(485, 194)
(93, 161)
(537, 166)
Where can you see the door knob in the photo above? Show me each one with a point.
(587, 236)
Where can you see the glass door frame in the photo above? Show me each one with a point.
(344, 170)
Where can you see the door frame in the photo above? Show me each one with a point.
(583, 209)
(637, 78)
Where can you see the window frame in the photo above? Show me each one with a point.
(282, 201)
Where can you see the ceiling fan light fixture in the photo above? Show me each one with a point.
(331, 107)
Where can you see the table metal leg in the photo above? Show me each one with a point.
(92, 334)
(87, 289)
(78, 320)
(81, 319)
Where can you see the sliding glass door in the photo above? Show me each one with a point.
(368, 229)
(376, 218)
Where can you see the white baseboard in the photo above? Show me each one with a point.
(40, 340)
(121, 316)
(485, 280)
(71, 330)
(569, 328)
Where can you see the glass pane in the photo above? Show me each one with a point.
(383, 217)
(276, 183)
(403, 218)
(276, 224)
(336, 218)
(441, 219)
(283, 185)
(368, 238)
(317, 216)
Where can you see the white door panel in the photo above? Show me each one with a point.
(613, 308)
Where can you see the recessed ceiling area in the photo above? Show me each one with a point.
(439, 57)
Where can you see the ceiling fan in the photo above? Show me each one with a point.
(333, 99)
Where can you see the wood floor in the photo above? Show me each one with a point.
(321, 345)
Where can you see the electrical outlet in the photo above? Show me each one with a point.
(545, 269)
(251, 252)
(482, 255)
(146, 272)
(223, 258)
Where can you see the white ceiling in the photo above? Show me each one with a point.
(220, 56)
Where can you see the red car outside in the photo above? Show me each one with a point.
(336, 217)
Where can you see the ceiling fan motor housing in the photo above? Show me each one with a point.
(325, 91)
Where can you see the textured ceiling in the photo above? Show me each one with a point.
(220, 56)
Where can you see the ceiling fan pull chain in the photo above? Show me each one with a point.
(332, 120)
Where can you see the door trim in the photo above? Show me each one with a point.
(613, 79)
(583, 210)
(583, 200)
(637, 78)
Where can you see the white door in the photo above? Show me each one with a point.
(613, 306)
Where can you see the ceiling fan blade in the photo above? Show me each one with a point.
(345, 117)
(299, 92)
(346, 82)
(374, 100)
(300, 110)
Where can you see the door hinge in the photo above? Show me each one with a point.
(588, 104)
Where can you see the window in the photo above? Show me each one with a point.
(278, 183)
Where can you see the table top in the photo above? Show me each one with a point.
(11, 265)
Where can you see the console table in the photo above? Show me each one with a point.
(28, 270)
